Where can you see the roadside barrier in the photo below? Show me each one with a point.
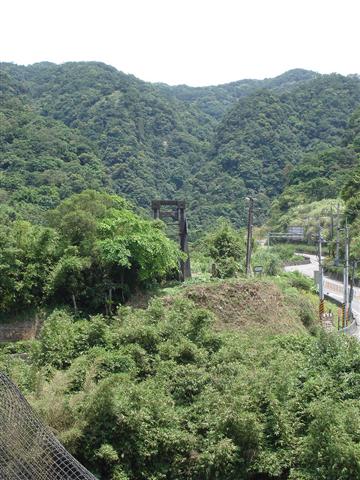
(339, 289)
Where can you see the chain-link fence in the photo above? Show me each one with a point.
(28, 449)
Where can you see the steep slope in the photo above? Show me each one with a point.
(210, 145)
(277, 129)
(321, 177)
(216, 100)
(41, 160)
(266, 134)
(149, 144)
(244, 305)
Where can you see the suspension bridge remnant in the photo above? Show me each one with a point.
(178, 216)
(28, 449)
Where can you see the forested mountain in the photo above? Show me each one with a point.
(322, 175)
(41, 160)
(82, 125)
(145, 142)
(215, 100)
(269, 139)
(214, 378)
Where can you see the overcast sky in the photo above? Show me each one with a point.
(197, 42)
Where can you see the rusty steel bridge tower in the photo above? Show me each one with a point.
(178, 216)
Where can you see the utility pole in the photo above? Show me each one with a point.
(331, 232)
(337, 236)
(321, 278)
(352, 281)
(346, 277)
(185, 268)
(249, 235)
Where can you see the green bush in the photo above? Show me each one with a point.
(300, 281)
(269, 260)
(164, 396)
(226, 247)
(93, 254)
(63, 338)
(285, 252)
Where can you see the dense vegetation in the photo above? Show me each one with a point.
(200, 384)
(320, 186)
(148, 145)
(86, 125)
(42, 161)
(92, 253)
(159, 394)
(272, 140)
(322, 176)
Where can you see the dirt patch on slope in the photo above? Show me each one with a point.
(246, 304)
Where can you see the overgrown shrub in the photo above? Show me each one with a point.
(226, 247)
(300, 281)
(161, 395)
(269, 260)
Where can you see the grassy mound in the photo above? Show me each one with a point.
(253, 304)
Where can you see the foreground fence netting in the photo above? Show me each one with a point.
(28, 449)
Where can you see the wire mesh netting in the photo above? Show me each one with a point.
(28, 449)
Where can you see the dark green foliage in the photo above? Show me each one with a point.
(41, 160)
(216, 100)
(85, 125)
(148, 144)
(319, 176)
(62, 339)
(351, 192)
(157, 394)
(272, 139)
(300, 281)
(323, 175)
(27, 255)
(270, 260)
(353, 131)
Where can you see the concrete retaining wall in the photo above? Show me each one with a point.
(13, 332)
(350, 329)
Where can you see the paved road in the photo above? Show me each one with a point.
(332, 288)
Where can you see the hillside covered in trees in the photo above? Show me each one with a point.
(140, 376)
(65, 128)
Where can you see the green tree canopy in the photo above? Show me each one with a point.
(226, 247)
(94, 252)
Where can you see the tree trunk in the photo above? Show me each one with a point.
(106, 306)
(122, 286)
(110, 301)
(74, 303)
